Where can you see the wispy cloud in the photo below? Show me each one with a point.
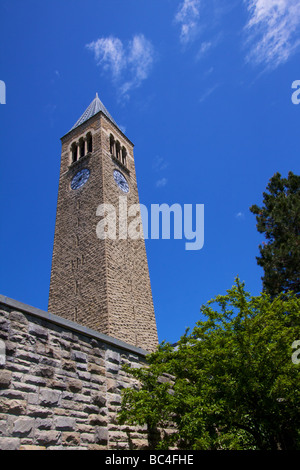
(272, 31)
(161, 183)
(109, 53)
(159, 164)
(209, 45)
(129, 64)
(188, 17)
(204, 48)
(208, 92)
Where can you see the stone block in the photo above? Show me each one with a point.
(83, 375)
(114, 399)
(79, 397)
(18, 317)
(24, 387)
(84, 428)
(69, 365)
(64, 423)
(140, 444)
(99, 400)
(45, 371)
(112, 368)
(95, 369)
(74, 385)
(90, 409)
(97, 447)
(38, 331)
(70, 438)
(9, 443)
(101, 435)
(43, 424)
(112, 386)
(33, 398)
(23, 426)
(3, 428)
(48, 438)
(87, 438)
(112, 356)
(59, 384)
(5, 378)
(79, 356)
(38, 411)
(27, 356)
(33, 379)
(97, 420)
(31, 447)
(16, 407)
(49, 397)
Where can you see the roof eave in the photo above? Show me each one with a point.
(98, 113)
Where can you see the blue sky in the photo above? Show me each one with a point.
(202, 88)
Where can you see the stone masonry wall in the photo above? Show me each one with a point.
(60, 384)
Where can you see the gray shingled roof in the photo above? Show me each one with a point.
(95, 107)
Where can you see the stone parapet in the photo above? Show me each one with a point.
(60, 384)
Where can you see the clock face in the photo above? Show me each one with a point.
(80, 178)
(121, 181)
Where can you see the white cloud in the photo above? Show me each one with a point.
(109, 52)
(208, 92)
(139, 62)
(188, 17)
(161, 183)
(129, 64)
(240, 215)
(205, 46)
(160, 164)
(273, 31)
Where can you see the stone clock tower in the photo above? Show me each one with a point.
(101, 283)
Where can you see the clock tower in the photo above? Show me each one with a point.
(100, 282)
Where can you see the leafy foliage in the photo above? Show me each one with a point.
(279, 220)
(230, 383)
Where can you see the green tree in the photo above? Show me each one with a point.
(279, 220)
(230, 383)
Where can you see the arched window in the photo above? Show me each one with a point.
(124, 154)
(89, 142)
(118, 150)
(82, 147)
(74, 152)
(112, 144)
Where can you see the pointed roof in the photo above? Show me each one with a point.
(95, 107)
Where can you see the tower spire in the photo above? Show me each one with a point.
(95, 107)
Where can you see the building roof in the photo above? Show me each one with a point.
(95, 107)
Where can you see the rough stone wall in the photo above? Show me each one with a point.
(60, 384)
